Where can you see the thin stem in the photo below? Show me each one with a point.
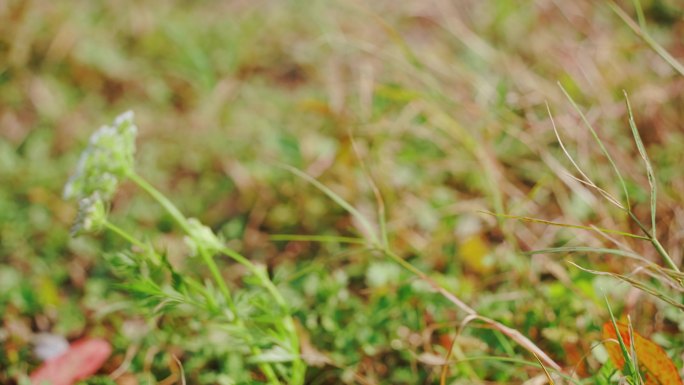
(124, 234)
(655, 242)
(182, 221)
(511, 333)
(639, 30)
(559, 224)
(298, 367)
(162, 200)
(446, 293)
(267, 369)
(265, 281)
(317, 238)
(368, 228)
(216, 274)
(661, 250)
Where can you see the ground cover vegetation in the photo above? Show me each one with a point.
(324, 192)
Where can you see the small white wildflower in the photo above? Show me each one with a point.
(107, 159)
(92, 215)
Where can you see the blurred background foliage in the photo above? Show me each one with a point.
(441, 103)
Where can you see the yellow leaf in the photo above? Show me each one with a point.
(474, 251)
(48, 294)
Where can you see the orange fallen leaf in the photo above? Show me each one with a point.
(575, 357)
(83, 358)
(654, 363)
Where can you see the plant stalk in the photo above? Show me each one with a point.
(298, 367)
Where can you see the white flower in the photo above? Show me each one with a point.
(107, 159)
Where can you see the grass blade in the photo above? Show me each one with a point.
(566, 225)
(585, 249)
(546, 372)
(363, 222)
(630, 368)
(585, 179)
(641, 32)
(600, 144)
(639, 285)
(317, 238)
(654, 189)
(647, 163)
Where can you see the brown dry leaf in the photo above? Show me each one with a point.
(657, 367)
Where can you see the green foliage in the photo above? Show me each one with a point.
(265, 331)
(411, 117)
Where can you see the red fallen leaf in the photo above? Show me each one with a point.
(656, 365)
(82, 360)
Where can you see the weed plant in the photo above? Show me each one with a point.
(260, 323)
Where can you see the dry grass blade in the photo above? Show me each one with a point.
(585, 249)
(513, 334)
(639, 30)
(601, 146)
(317, 238)
(654, 191)
(382, 213)
(566, 225)
(585, 179)
(363, 221)
(633, 282)
(180, 368)
(523, 341)
(546, 372)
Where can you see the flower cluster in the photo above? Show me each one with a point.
(107, 159)
(92, 214)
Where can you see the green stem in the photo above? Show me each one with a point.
(162, 200)
(661, 250)
(216, 275)
(317, 238)
(264, 280)
(123, 234)
(446, 293)
(203, 291)
(182, 221)
(655, 242)
(298, 366)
